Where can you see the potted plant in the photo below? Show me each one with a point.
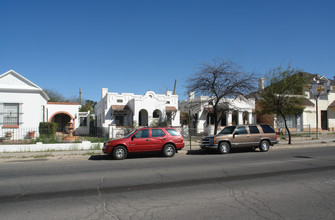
(8, 134)
(31, 134)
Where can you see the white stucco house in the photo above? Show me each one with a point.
(127, 109)
(23, 105)
(64, 112)
(306, 120)
(238, 111)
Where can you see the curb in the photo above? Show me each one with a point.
(63, 155)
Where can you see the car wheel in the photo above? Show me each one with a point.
(264, 146)
(119, 153)
(224, 148)
(169, 150)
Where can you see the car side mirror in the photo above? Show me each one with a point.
(133, 137)
(236, 133)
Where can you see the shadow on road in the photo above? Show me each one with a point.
(100, 157)
(215, 152)
(130, 156)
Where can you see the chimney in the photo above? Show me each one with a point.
(190, 96)
(103, 92)
(168, 93)
(261, 84)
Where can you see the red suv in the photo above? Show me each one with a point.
(166, 140)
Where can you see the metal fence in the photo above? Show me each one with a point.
(304, 133)
(27, 135)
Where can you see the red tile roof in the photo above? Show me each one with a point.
(171, 109)
(120, 107)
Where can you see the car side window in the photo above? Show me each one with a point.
(157, 133)
(241, 130)
(267, 129)
(253, 130)
(142, 134)
(172, 132)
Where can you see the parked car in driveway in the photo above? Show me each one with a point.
(260, 136)
(166, 140)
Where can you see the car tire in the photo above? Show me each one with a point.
(264, 146)
(169, 150)
(224, 148)
(119, 153)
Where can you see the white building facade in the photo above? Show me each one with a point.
(238, 111)
(127, 109)
(23, 105)
(307, 119)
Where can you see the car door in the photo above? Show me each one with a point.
(158, 139)
(255, 135)
(140, 141)
(241, 137)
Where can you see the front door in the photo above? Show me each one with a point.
(324, 120)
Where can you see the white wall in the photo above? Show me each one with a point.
(85, 145)
(32, 109)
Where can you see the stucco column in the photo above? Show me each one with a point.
(229, 117)
(150, 119)
(240, 118)
(250, 117)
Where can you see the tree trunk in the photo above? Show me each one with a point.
(288, 130)
(215, 128)
(215, 120)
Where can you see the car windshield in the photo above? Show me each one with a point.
(228, 130)
(130, 133)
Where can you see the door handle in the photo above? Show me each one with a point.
(164, 139)
(147, 139)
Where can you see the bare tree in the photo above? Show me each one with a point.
(54, 95)
(221, 79)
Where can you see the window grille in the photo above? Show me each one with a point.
(11, 113)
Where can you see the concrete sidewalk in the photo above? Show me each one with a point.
(297, 142)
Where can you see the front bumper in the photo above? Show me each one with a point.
(209, 146)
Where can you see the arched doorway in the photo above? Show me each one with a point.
(143, 118)
(224, 119)
(62, 119)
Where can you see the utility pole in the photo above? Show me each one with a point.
(175, 86)
(79, 96)
(318, 89)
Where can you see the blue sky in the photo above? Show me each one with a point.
(136, 46)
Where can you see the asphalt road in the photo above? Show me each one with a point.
(279, 184)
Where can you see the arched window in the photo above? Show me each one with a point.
(156, 114)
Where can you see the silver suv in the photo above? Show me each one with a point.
(260, 136)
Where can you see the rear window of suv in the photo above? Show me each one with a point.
(172, 132)
(267, 129)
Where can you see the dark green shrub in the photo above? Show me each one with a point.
(48, 128)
